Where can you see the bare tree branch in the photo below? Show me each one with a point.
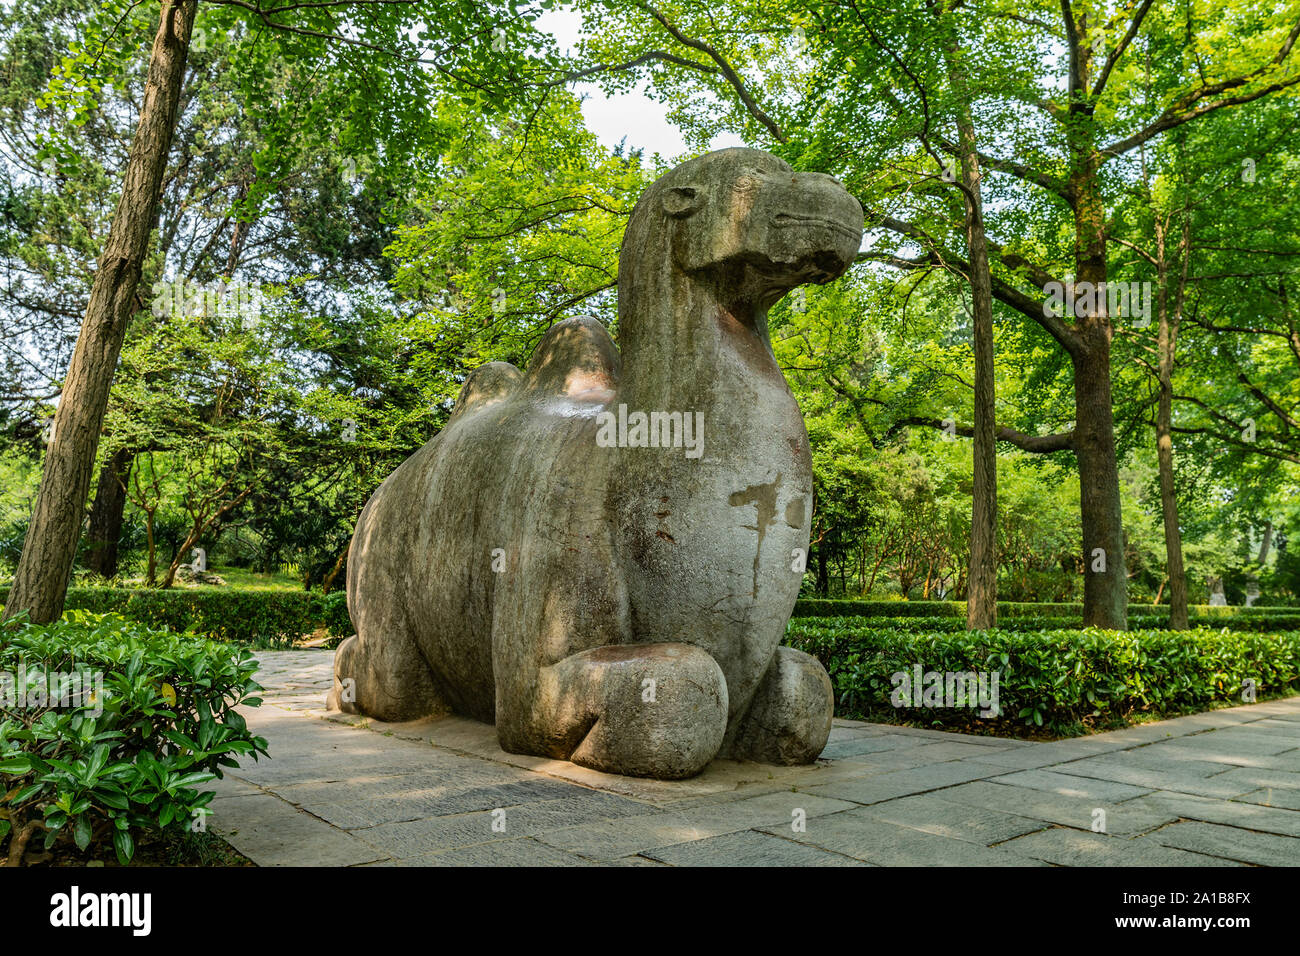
(732, 77)
(1039, 444)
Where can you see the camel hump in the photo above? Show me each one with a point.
(487, 385)
(577, 358)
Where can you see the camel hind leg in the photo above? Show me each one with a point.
(380, 672)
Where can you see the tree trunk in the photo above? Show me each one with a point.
(106, 514)
(339, 565)
(982, 581)
(1267, 544)
(1105, 582)
(1166, 343)
(202, 525)
(1178, 619)
(1105, 586)
(151, 571)
(45, 567)
(191, 539)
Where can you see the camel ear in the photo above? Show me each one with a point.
(682, 201)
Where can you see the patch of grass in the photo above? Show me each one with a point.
(245, 580)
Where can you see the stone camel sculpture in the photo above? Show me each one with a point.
(618, 605)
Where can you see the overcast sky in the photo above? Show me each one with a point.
(633, 115)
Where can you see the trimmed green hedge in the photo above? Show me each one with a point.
(1062, 681)
(264, 618)
(279, 618)
(1068, 614)
(837, 607)
(1283, 621)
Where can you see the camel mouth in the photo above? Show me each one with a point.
(791, 219)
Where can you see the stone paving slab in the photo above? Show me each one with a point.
(1231, 843)
(1248, 816)
(857, 834)
(606, 842)
(685, 825)
(1065, 847)
(1068, 785)
(417, 837)
(1270, 797)
(1127, 818)
(749, 848)
(1214, 789)
(930, 813)
(1115, 768)
(877, 787)
(271, 832)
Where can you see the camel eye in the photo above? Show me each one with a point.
(746, 183)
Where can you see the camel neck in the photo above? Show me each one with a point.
(693, 352)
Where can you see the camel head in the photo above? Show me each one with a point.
(745, 225)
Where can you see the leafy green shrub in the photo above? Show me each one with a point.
(124, 750)
(1013, 614)
(1146, 622)
(261, 618)
(1250, 619)
(836, 607)
(1057, 680)
(335, 614)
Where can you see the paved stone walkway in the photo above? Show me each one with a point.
(1217, 789)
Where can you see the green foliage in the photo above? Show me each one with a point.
(821, 607)
(421, 196)
(260, 618)
(156, 719)
(944, 618)
(872, 97)
(1054, 681)
(516, 227)
(1044, 615)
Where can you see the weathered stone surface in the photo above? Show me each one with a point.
(854, 833)
(620, 607)
(901, 783)
(748, 848)
(273, 833)
(1066, 847)
(1271, 797)
(523, 851)
(410, 838)
(1121, 769)
(875, 744)
(1068, 785)
(187, 572)
(1124, 818)
(1248, 816)
(1231, 843)
(931, 813)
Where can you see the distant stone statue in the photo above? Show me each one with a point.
(601, 554)
(1217, 597)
